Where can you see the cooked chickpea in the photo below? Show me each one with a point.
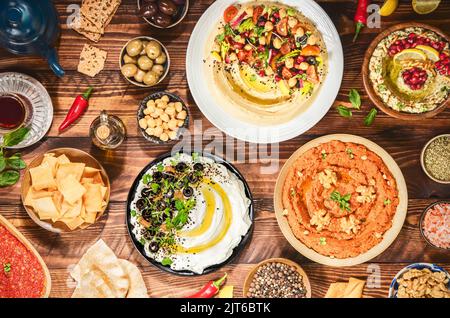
(151, 123)
(292, 82)
(277, 43)
(172, 134)
(233, 57)
(282, 13)
(178, 107)
(299, 32)
(312, 40)
(182, 115)
(180, 123)
(247, 47)
(165, 117)
(292, 22)
(165, 98)
(304, 66)
(249, 11)
(172, 124)
(157, 131)
(289, 62)
(262, 40)
(170, 110)
(268, 26)
(150, 131)
(269, 71)
(164, 137)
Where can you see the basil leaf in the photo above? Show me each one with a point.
(15, 162)
(8, 178)
(354, 98)
(370, 117)
(344, 111)
(2, 162)
(15, 137)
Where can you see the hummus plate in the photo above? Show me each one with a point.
(332, 254)
(252, 105)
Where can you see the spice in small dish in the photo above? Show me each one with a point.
(277, 280)
(435, 225)
(436, 158)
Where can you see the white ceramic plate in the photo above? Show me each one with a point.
(214, 110)
(389, 236)
(41, 103)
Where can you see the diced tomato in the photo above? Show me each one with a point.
(282, 27)
(257, 13)
(241, 56)
(237, 45)
(285, 48)
(286, 73)
(230, 13)
(311, 74)
(273, 61)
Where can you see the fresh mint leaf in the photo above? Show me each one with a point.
(9, 178)
(344, 201)
(15, 162)
(370, 117)
(15, 137)
(7, 268)
(344, 111)
(2, 162)
(354, 98)
(160, 167)
(146, 178)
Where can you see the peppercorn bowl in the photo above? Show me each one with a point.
(162, 117)
(251, 275)
(424, 159)
(144, 61)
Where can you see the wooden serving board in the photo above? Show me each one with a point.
(11, 228)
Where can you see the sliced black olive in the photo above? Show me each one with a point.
(192, 178)
(157, 176)
(311, 60)
(146, 192)
(198, 167)
(188, 192)
(302, 40)
(181, 166)
(147, 215)
(161, 205)
(140, 204)
(169, 194)
(153, 247)
(168, 176)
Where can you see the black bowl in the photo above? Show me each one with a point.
(173, 98)
(207, 270)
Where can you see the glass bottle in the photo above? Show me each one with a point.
(107, 131)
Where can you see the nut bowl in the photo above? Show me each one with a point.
(134, 61)
(143, 113)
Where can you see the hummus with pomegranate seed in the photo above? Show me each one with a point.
(267, 59)
(409, 70)
(339, 199)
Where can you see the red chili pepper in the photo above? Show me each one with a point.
(360, 17)
(78, 107)
(210, 289)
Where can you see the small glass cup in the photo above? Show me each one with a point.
(15, 111)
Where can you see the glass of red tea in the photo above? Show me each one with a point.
(15, 111)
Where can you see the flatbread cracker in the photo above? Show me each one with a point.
(42, 177)
(71, 189)
(84, 24)
(137, 285)
(336, 290)
(354, 288)
(99, 12)
(94, 37)
(45, 208)
(93, 197)
(92, 60)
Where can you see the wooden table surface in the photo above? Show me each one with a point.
(403, 140)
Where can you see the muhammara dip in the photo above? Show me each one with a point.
(340, 199)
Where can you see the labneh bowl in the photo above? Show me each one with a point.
(74, 155)
(368, 85)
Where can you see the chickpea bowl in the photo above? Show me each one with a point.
(144, 61)
(162, 117)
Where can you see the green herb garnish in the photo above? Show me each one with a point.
(349, 153)
(344, 111)
(166, 261)
(343, 200)
(354, 98)
(10, 166)
(160, 167)
(387, 202)
(246, 25)
(370, 117)
(323, 241)
(146, 178)
(7, 268)
(133, 213)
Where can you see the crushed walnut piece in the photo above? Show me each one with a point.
(349, 224)
(320, 219)
(327, 178)
(423, 283)
(366, 194)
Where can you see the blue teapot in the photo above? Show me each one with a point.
(30, 27)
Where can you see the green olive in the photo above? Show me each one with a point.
(151, 78)
(139, 76)
(129, 70)
(153, 49)
(129, 60)
(134, 48)
(161, 59)
(158, 69)
(145, 63)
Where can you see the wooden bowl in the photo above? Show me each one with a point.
(249, 278)
(12, 229)
(422, 159)
(389, 236)
(75, 155)
(368, 83)
(166, 65)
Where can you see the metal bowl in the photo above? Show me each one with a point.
(181, 15)
(422, 217)
(422, 159)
